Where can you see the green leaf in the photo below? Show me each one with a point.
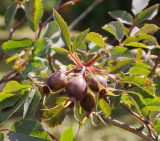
(130, 102)
(105, 107)
(79, 40)
(8, 100)
(115, 28)
(139, 55)
(139, 5)
(38, 13)
(1, 136)
(151, 40)
(68, 135)
(133, 80)
(54, 116)
(130, 39)
(155, 100)
(139, 71)
(10, 14)
(122, 16)
(96, 38)
(12, 46)
(147, 14)
(141, 82)
(60, 50)
(142, 65)
(34, 13)
(139, 95)
(5, 114)
(136, 44)
(151, 109)
(64, 28)
(13, 86)
(121, 63)
(118, 50)
(148, 28)
(157, 126)
(51, 29)
(39, 46)
(31, 104)
(28, 130)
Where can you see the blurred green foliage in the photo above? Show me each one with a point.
(98, 17)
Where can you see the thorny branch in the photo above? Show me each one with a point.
(141, 120)
(126, 127)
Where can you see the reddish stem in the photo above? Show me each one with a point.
(67, 4)
(94, 59)
(76, 60)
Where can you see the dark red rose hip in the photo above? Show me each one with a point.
(92, 83)
(88, 103)
(76, 87)
(57, 81)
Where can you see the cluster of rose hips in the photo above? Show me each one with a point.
(76, 87)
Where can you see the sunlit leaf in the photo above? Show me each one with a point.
(139, 71)
(133, 80)
(60, 50)
(39, 46)
(139, 5)
(147, 14)
(64, 28)
(34, 13)
(121, 63)
(8, 100)
(141, 82)
(151, 40)
(118, 50)
(67, 135)
(148, 28)
(79, 40)
(31, 104)
(105, 107)
(12, 46)
(130, 39)
(96, 38)
(136, 44)
(13, 86)
(122, 16)
(115, 28)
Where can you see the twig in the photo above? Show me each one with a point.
(141, 120)
(126, 127)
(53, 137)
(8, 76)
(19, 24)
(137, 117)
(2, 130)
(66, 4)
(58, 8)
(50, 62)
(85, 13)
(155, 66)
